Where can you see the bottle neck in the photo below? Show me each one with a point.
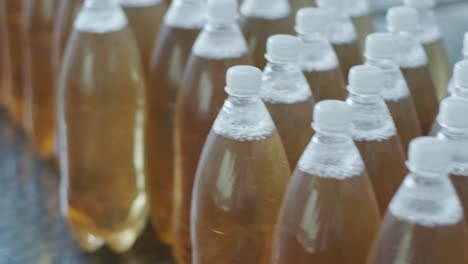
(244, 119)
(317, 53)
(186, 14)
(395, 87)
(460, 91)
(429, 30)
(459, 140)
(101, 16)
(411, 53)
(342, 30)
(372, 120)
(265, 9)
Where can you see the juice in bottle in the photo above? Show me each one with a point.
(381, 51)
(360, 13)
(454, 123)
(374, 132)
(431, 38)
(145, 18)
(402, 22)
(241, 179)
(287, 95)
(298, 4)
(219, 46)
(4, 58)
(16, 105)
(39, 83)
(342, 34)
(182, 23)
(330, 213)
(424, 223)
(318, 58)
(261, 19)
(101, 130)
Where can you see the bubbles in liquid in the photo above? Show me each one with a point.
(170, 54)
(40, 90)
(102, 115)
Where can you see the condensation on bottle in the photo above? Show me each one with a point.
(374, 132)
(403, 23)
(219, 46)
(330, 212)
(101, 130)
(287, 94)
(241, 178)
(182, 23)
(318, 58)
(424, 223)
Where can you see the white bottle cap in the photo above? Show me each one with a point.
(222, 11)
(283, 48)
(419, 3)
(429, 154)
(313, 20)
(340, 5)
(465, 45)
(453, 112)
(366, 80)
(243, 81)
(381, 46)
(332, 116)
(460, 74)
(402, 18)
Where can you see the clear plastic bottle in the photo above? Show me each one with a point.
(431, 38)
(330, 213)
(219, 46)
(374, 132)
(16, 105)
(101, 130)
(182, 23)
(360, 13)
(39, 85)
(261, 19)
(318, 58)
(241, 179)
(287, 95)
(403, 23)
(381, 51)
(454, 123)
(424, 223)
(465, 57)
(5, 70)
(145, 18)
(343, 35)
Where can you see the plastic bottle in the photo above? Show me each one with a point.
(101, 124)
(318, 58)
(343, 35)
(182, 23)
(424, 223)
(465, 57)
(5, 71)
(241, 179)
(381, 51)
(39, 84)
(403, 23)
(219, 46)
(16, 105)
(145, 18)
(287, 94)
(374, 132)
(261, 19)
(431, 38)
(454, 123)
(330, 213)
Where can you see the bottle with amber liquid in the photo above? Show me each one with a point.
(5, 70)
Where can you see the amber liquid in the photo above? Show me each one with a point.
(257, 31)
(198, 102)
(237, 197)
(406, 120)
(293, 124)
(298, 4)
(102, 126)
(326, 85)
(439, 66)
(349, 56)
(424, 95)
(16, 105)
(40, 92)
(145, 22)
(167, 66)
(326, 220)
(4, 57)
(385, 163)
(364, 25)
(402, 242)
(460, 182)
